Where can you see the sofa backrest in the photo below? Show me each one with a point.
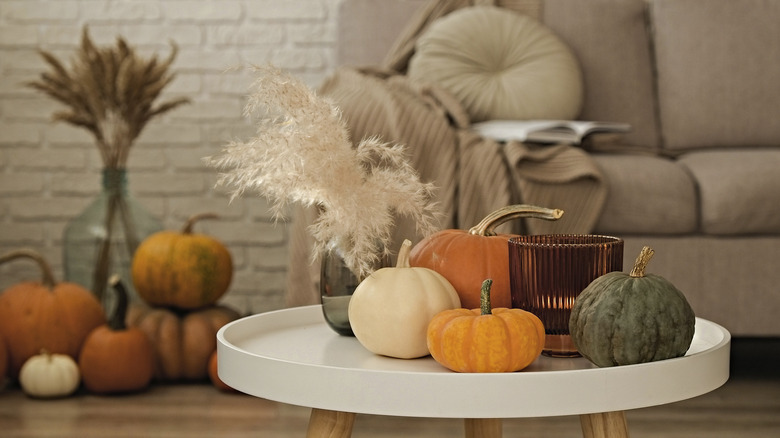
(718, 72)
(367, 29)
(686, 74)
(610, 39)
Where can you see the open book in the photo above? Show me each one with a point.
(545, 131)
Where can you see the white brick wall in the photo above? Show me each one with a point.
(49, 172)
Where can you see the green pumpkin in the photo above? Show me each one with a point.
(623, 319)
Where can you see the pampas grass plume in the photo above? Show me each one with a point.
(302, 153)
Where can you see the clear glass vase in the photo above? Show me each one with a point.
(101, 241)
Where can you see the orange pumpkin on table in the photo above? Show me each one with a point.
(183, 269)
(45, 315)
(485, 340)
(466, 258)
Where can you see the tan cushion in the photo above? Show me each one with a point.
(739, 190)
(610, 40)
(500, 65)
(718, 72)
(647, 195)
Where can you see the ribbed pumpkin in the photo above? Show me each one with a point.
(485, 340)
(623, 319)
(390, 309)
(46, 315)
(466, 258)
(183, 269)
(116, 358)
(183, 341)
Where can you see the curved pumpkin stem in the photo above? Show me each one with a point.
(48, 276)
(187, 229)
(403, 255)
(487, 226)
(484, 297)
(116, 321)
(641, 262)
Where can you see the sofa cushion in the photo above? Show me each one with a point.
(647, 195)
(500, 64)
(739, 190)
(718, 72)
(616, 64)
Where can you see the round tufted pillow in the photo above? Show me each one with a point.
(500, 65)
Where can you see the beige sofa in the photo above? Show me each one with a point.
(698, 177)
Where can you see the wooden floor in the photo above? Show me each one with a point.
(748, 405)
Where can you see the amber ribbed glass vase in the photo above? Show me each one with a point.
(548, 272)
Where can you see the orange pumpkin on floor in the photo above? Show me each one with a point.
(183, 341)
(484, 340)
(465, 258)
(214, 375)
(3, 360)
(183, 269)
(44, 314)
(116, 358)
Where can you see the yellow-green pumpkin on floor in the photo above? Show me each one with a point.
(184, 270)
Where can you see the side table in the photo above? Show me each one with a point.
(291, 356)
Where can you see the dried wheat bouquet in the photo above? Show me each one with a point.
(109, 91)
(302, 153)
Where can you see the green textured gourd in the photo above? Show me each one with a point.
(623, 319)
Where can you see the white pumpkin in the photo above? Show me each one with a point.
(390, 310)
(49, 375)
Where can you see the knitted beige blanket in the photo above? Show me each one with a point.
(473, 175)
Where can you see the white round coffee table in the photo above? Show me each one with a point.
(292, 356)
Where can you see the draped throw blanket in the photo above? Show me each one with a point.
(473, 175)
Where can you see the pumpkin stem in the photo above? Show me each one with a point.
(187, 229)
(47, 274)
(116, 320)
(487, 226)
(484, 297)
(641, 262)
(403, 255)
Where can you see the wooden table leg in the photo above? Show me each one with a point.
(604, 425)
(483, 427)
(330, 424)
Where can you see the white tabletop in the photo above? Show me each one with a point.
(292, 356)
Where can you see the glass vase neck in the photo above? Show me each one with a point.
(115, 180)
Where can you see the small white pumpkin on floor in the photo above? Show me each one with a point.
(49, 375)
(390, 310)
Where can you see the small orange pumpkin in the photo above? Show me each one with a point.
(3, 360)
(214, 375)
(484, 340)
(183, 269)
(46, 315)
(183, 341)
(116, 358)
(465, 258)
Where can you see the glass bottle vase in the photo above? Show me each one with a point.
(101, 241)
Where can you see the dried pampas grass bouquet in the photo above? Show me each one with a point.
(302, 153)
